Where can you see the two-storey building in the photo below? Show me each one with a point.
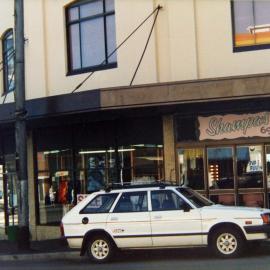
(187, 102)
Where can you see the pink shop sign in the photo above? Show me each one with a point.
(231, 126)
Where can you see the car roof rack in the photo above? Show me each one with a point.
(132, 185)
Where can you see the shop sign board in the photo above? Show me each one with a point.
(232, 126)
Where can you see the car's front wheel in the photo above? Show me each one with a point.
(227, 242)
(100, 249)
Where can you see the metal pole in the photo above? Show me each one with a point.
(20, 130)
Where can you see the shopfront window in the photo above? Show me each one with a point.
(11, 190)
(141, 162)
(267, 153)
(2, 205)
(224, 199)
(191, 167)
(249, 166)
(220, 168)
(251, 199)
(97, 167)
(55, 185)
(74, 161)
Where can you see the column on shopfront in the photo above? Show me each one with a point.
(169, 148)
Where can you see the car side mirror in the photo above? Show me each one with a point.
(186, 207)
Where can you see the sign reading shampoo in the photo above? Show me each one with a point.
(231, 126)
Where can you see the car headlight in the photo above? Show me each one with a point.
(265, 218)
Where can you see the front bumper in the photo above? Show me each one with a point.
(258, 229)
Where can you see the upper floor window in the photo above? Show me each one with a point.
(8, 61)
(91, 35)
(251, 24)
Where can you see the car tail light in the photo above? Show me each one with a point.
(265, 218)
(62, 229)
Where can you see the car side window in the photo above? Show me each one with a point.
(163, 200)
(132, 202)
(100, 204)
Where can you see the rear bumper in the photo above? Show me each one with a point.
(258, 229)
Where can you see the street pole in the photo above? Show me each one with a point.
(20, 130)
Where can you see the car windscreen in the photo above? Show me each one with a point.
(194, 197)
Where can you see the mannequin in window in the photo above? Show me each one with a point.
(96, 176)
(95, 181)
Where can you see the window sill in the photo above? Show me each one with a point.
(91, 69)
(251, 48)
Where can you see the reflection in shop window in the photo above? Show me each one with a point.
(93, 169)
(141, 162)
(251, 22)
(11, 189)
(267, 152)
(251, 199)
(220, 168)
(249, 166)
(191, 164)
(224, 199)
(55, 185)
(98, 167)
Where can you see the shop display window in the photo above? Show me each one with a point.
(249, 166)
(97, 168)
(59, 180)
(251, 199)
(11, 189)
(133, 163)
(141, 162)
(220, 168)
(267, 153)
(55, 185)
(191, 167)
(224, 199)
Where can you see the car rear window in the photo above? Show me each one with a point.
(100, 204)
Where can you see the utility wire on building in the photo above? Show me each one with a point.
(146, 45)
(156, 10)
(9, 56)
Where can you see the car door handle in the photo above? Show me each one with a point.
(114, 218)
(157, 217)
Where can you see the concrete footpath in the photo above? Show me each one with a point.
(49, 249)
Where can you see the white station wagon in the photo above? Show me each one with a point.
(160, 216)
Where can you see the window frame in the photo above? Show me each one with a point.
(244, 48)
(177, 194)
(114, 206)
(6, 56)
(115, 195)
(104, 16)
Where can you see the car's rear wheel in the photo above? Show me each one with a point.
(227, 242)
(100, 249)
